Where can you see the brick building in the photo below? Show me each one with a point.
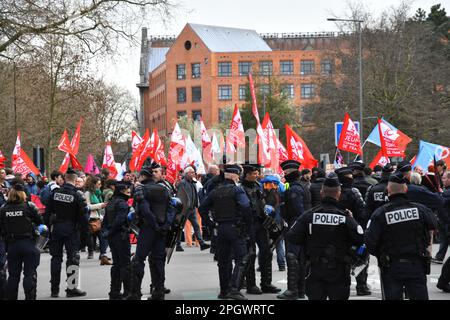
(205, 69)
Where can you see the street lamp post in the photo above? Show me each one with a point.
(360, 71)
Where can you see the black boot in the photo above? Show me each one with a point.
(292, 277)
(55, 279)
(235, 294)
(72, 293)
(158, 294)
(135, 285)
(266, 277)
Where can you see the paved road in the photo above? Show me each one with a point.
(192, 275)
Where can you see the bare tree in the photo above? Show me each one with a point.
(96, 24)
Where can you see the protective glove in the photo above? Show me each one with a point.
(361, 250)
(269, 210)
(131, 215)
(176, 203)
(42, 228)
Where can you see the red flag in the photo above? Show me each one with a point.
(158, 149)
(2, 160)
(208, 155)
(379, 159)
(135, 140)
(108, 160)
(75, 142)
(74, 145)
(253, 95)
(145, 150)
(176, 153)
(237, 129)
(75, 163)
(393, 141)
(270, 143)
(64, 144)
(137, 151)
(298, 150)
(21, 163)
(349, 139)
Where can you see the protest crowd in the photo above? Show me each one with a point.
(322, 223)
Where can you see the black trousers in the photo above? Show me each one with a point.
(405, 274)
(331, 283)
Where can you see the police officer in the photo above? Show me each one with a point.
(232, 213)
(327, 233)
(259, 235)
(66, 213)
(151, 201)
(377, 194)
(115, 228)
(19, 220)
(157, 171)
(293, 207)
(351, 199)
(398, 234)
(359, 178)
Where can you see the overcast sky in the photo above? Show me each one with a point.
(264, 16)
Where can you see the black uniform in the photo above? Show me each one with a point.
(66, 212)
(351, 199)
(327, 234)
(260, 236)
(18, 222)
(232, 214)
(293, 207)
(376, 196)
(151, 201)
(315, 188)
(115, 226)
(398, 234)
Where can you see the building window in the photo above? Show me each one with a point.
(195, 70)
(196, 115)
(181, 95)
(264, 89)
(265, 68)
(326, 67)
(307, 91)
(288, 90)
(307, 67)
(287, 67)
(181, 71)
(242, 92)
(196, 94)
(225, 92)
(224, 69)
(181, 114)
(245, 67)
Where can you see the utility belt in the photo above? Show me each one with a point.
(385, 260)
(331, 262)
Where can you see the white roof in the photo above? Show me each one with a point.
(156, 56)
(223, 39)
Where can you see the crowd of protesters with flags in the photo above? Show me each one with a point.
(186, 167)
